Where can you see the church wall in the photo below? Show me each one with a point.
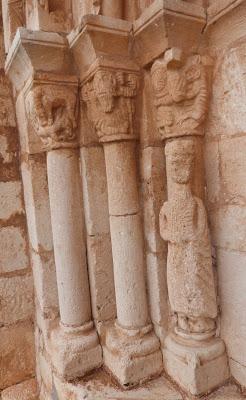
(17, 355)
(225, 151)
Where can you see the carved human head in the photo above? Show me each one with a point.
(159, 78)
(104, 84)
(180, 155)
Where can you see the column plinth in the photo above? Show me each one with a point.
(131, 350)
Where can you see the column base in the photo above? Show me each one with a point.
(197, 367)
(132, 356)
(75, 351)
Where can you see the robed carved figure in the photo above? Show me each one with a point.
(183, 223)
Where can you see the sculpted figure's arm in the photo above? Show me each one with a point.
(201, 218)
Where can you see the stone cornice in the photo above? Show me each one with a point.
(37, 51)
(169, 23)
(219, 8)
(101, 40)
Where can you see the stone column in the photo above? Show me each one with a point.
(131, 349)
(67, 228)
(193, 356)
(112, 9)
(51, 109)
(126, 234)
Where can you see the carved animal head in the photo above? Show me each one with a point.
(52, 114)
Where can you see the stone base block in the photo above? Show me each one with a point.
(26, 390)
(132, 359)
(197, 367)
(75, 353)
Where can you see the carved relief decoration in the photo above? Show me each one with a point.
(109, 97)
(181, 94)
(52, 111)
(183, 224)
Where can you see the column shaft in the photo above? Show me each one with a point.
(113, 8)
(68, 236)
(126, 234)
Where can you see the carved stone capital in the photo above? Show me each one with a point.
(181, 94)
(51, 108)
(109, 97)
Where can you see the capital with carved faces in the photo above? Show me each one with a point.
(109, 97)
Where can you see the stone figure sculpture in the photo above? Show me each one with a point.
(183, 223)
(191, 349)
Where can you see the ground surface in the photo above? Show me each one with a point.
(100, 387)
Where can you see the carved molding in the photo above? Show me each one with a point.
(219, 8)
(52, 112)
(181, 94)
(109, 98)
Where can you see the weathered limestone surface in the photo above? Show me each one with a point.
(100, 262)
(225, 166)
(131, 349)
(17, 352)
(23, 391)
(181, 99)
(122, 106)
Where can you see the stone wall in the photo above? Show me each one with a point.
(111, 123)
(225, 154)
(16, 283)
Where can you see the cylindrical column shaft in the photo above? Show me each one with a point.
(126, 234)
(113, 8)
(68, 236)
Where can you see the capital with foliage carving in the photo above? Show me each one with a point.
(180, 94)
(109, 97)
(52, 112)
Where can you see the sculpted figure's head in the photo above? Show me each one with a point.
(159, 78)
(180, 154)
(104, 84)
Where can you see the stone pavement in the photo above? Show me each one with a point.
(100, 387)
